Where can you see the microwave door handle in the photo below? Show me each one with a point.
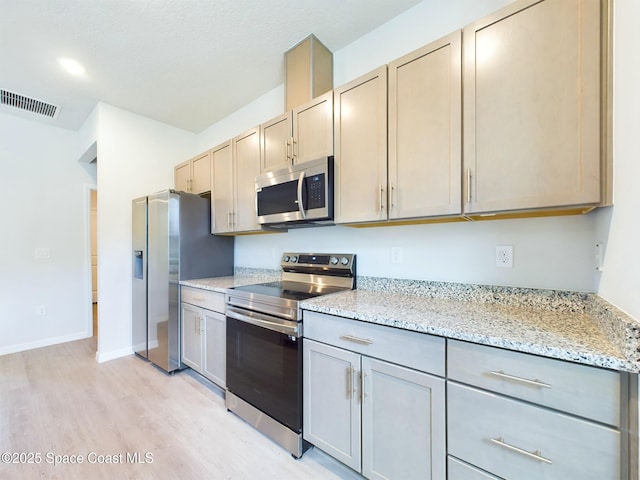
(300, 204)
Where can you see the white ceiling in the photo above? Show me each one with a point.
(187, 63)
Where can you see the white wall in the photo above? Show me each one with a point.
(620, 282)
(136, 157)
(42, 205)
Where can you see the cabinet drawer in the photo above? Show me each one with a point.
(512, 439)
(203, 298)
(415, 350)
(578, 389)
(458, 470)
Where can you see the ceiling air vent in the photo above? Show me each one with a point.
(28, 104)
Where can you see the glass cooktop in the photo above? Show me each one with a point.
(298, 291)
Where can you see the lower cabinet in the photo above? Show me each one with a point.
(204, 333)
(383, 420)
(516, 415)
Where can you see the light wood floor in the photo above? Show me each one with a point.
(58, 401)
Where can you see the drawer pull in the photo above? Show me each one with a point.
(364, 341)
(199, 299)
(535, 455)
(536, 383)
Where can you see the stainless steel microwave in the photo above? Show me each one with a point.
(296, 196)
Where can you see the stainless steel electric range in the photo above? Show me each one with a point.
(264, 351)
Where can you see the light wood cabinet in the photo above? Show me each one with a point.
(515, 415)
(191, 336)
(332, 411)
(222, 195)
(352, 401)
(360, 129)
(308, 71)
(236, 164)
(246, 167)
(305, 133)
(204, 333)
(425, 131)
(513, 439)
(403, 423)
(194, 175)
(182, 176)
(532, 107)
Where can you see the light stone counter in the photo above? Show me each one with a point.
(572, 326)
(243, 276)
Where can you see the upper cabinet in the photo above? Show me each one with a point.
(246, 167)
(425, 128)
(236, 164)
(195, 175)
(533, 103)
(222, 196)
(360, 128)
(305, 133)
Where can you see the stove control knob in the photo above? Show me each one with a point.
(333, 260)
(285, 258)
(344, 261)
(294, 259)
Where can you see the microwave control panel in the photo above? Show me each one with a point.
(315, 191)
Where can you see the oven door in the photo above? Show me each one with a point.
(264, 364)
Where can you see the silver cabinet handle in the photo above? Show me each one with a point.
(364, 341)
(535, 455)
(289, 150)
(381, 194)
(468, 185)
(349, 381)
(535, 383)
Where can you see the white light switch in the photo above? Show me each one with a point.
(43, 252)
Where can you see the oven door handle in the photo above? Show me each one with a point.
(264, 321)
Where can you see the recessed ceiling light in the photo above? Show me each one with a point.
(71, 66)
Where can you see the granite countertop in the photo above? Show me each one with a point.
(577, 327)
(574, 326)
(243, 276)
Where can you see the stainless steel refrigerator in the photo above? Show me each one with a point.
(172, 241)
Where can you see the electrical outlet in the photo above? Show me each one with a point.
(396, 254)
(41, 310)
(43, 252)
(504, 256)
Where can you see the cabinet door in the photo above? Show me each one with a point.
(532, 106)
(182, 176)
(246, 153)
(192, 336)
(361, 149)
(222, 201)
(313, 129)
(332, 401)
(403, 423)
(201, 173)
(215, 347)
(275, 143)
(425, 131)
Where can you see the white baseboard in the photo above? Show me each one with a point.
(102, 357)
(46, 342)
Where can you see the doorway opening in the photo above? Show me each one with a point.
(94, 259)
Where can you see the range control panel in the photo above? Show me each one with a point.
(330, 260)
